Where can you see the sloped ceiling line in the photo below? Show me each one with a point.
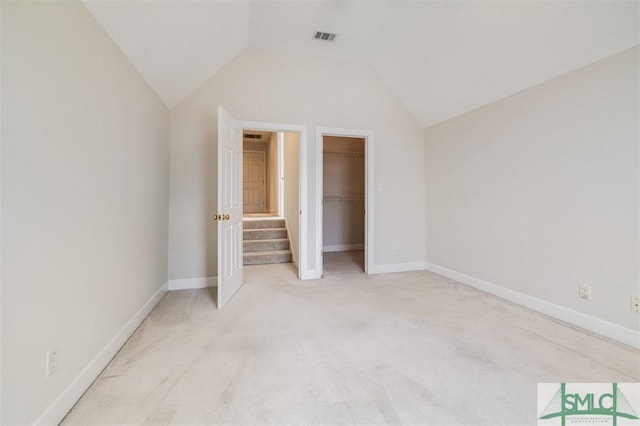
(440, 58)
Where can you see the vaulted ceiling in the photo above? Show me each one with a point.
(440, 58)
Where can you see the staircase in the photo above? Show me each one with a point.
(265, 241)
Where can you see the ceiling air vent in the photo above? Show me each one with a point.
(320, 35)
(250, 136)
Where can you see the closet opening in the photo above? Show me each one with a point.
(343, 204)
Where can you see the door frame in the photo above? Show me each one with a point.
(304, 273)
(280, 182)
(264, 177)
(367, 135)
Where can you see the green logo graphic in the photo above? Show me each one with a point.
(564, 405)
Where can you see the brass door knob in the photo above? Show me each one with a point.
(225, 217)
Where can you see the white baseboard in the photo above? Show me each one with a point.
(343, 247)
(396, 267)
(596, 325)
(67, 399)
(191, 283)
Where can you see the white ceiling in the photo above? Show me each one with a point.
(176, 45)
(441, 58)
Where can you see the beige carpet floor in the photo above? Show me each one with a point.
(343, 262)
(400, 349)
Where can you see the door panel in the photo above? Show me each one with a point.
(229, 207)
(254, 187)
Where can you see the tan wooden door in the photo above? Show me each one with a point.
(253, 182)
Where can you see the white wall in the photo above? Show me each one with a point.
(343, 175)
(291, 154)
(309, 91)
(1, 233)
(85, 200)
(539, 191)
(1, 191)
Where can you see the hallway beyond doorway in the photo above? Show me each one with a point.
(265, 240)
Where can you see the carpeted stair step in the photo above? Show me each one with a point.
(263, 223)
(265, 245)
(265, 241)
(264, 234)
(267, 257)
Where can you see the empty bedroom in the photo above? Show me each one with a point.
(339, 212)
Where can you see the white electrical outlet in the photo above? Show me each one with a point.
(397, 251)
(635, 303)
(585, 291)
(52, 362)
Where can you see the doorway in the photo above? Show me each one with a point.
(344, 162)
(275, 230)
(343, 208)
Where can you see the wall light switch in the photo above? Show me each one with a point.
(585, 291)
(52, 362)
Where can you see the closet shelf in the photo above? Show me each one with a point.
(345, 153)
(353, 155)
(343, 197)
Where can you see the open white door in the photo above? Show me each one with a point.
(229, 214)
